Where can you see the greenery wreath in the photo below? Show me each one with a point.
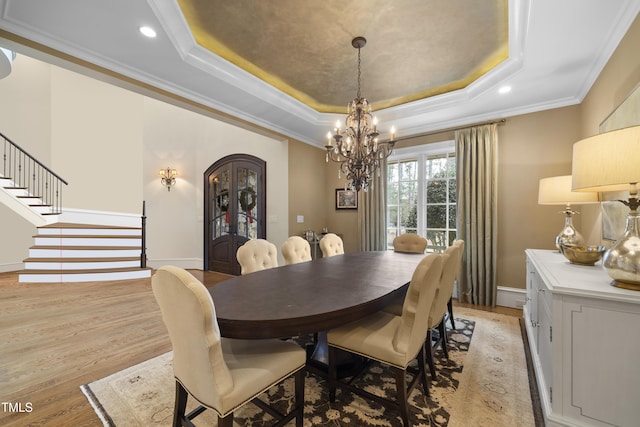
(248, 199)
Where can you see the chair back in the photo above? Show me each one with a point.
(450, 266)
(256, 255)
(331, 244)
(190, 317)
(296, 249)
(412, 331)
(410, 243)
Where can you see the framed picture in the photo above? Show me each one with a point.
(346, 199)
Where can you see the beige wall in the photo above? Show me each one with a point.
(307, 176)
(531, 147)
(96, 144)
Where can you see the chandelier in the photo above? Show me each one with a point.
(357, 148)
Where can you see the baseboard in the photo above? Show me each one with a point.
(6, 268)
(507, 297)
(511, 297)
(119, 219)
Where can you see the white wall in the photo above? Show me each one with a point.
(190, 143)
(109, 144)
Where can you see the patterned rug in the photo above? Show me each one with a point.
(483, 383)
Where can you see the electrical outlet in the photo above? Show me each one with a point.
(300, 219)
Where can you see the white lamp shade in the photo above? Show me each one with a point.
(556, 190)
(609, 161)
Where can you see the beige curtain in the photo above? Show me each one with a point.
(477, 176)
(372, 211)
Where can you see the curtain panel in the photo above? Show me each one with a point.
(477, 176)
(372, 212)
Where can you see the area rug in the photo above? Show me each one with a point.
(483, 383)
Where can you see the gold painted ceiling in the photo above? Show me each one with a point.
(415, 48)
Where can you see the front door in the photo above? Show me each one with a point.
(234, 209)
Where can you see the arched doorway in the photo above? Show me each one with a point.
(234, 209)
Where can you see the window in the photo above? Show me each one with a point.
(421, 194)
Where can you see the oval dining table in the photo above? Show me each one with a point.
(311, 297)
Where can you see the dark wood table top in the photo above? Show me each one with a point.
(311, 296)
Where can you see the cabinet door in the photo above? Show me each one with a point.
(235, 200)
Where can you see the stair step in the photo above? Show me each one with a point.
(88, 240)
(59, 276)
(87, 229)
(81, 263)
(48, 251)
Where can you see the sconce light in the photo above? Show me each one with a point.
(610, 162)
(556, 190)
(168, 177)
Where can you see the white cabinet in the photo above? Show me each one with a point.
(584, 336)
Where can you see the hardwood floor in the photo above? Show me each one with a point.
(57, 337)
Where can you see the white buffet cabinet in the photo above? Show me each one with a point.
(584, 336)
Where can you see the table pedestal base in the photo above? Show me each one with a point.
(347, 364)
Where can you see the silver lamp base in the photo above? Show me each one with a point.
(568, 235)
(622, 260)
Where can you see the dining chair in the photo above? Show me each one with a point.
(256, 255)
(331, 244)
(392, 340)
(221, 374)
(439, 309)
(409, 243)
(296, 249)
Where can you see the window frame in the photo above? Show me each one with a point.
(420, 153)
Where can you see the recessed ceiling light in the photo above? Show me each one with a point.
(148, 31)
(504, 89)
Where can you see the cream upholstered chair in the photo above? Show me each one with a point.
(256, 255)
(331, 244)
(439, 309)
(392, 340)
(410, 243)
(296, 249)
(221, 374)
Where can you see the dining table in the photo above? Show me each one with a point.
(312, 296)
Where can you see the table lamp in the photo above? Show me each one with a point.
(556, 190)
(610, 161)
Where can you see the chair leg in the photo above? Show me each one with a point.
(450, 307)
(401, 391)
(226, 421)
(180, 406)
(332, 374)
(422, 371)
(299, 379)
(442, 328)
(429, 355)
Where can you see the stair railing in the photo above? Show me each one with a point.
(27, 173)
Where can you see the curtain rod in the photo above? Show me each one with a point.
(435, 132)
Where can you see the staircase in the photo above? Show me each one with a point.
(81, 252)
(65, 251)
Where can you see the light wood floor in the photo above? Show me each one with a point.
(56, 337)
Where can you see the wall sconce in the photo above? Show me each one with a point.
(168, 177)
(556, 190)
(610, 162)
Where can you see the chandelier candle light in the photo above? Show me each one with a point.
(357, 148)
